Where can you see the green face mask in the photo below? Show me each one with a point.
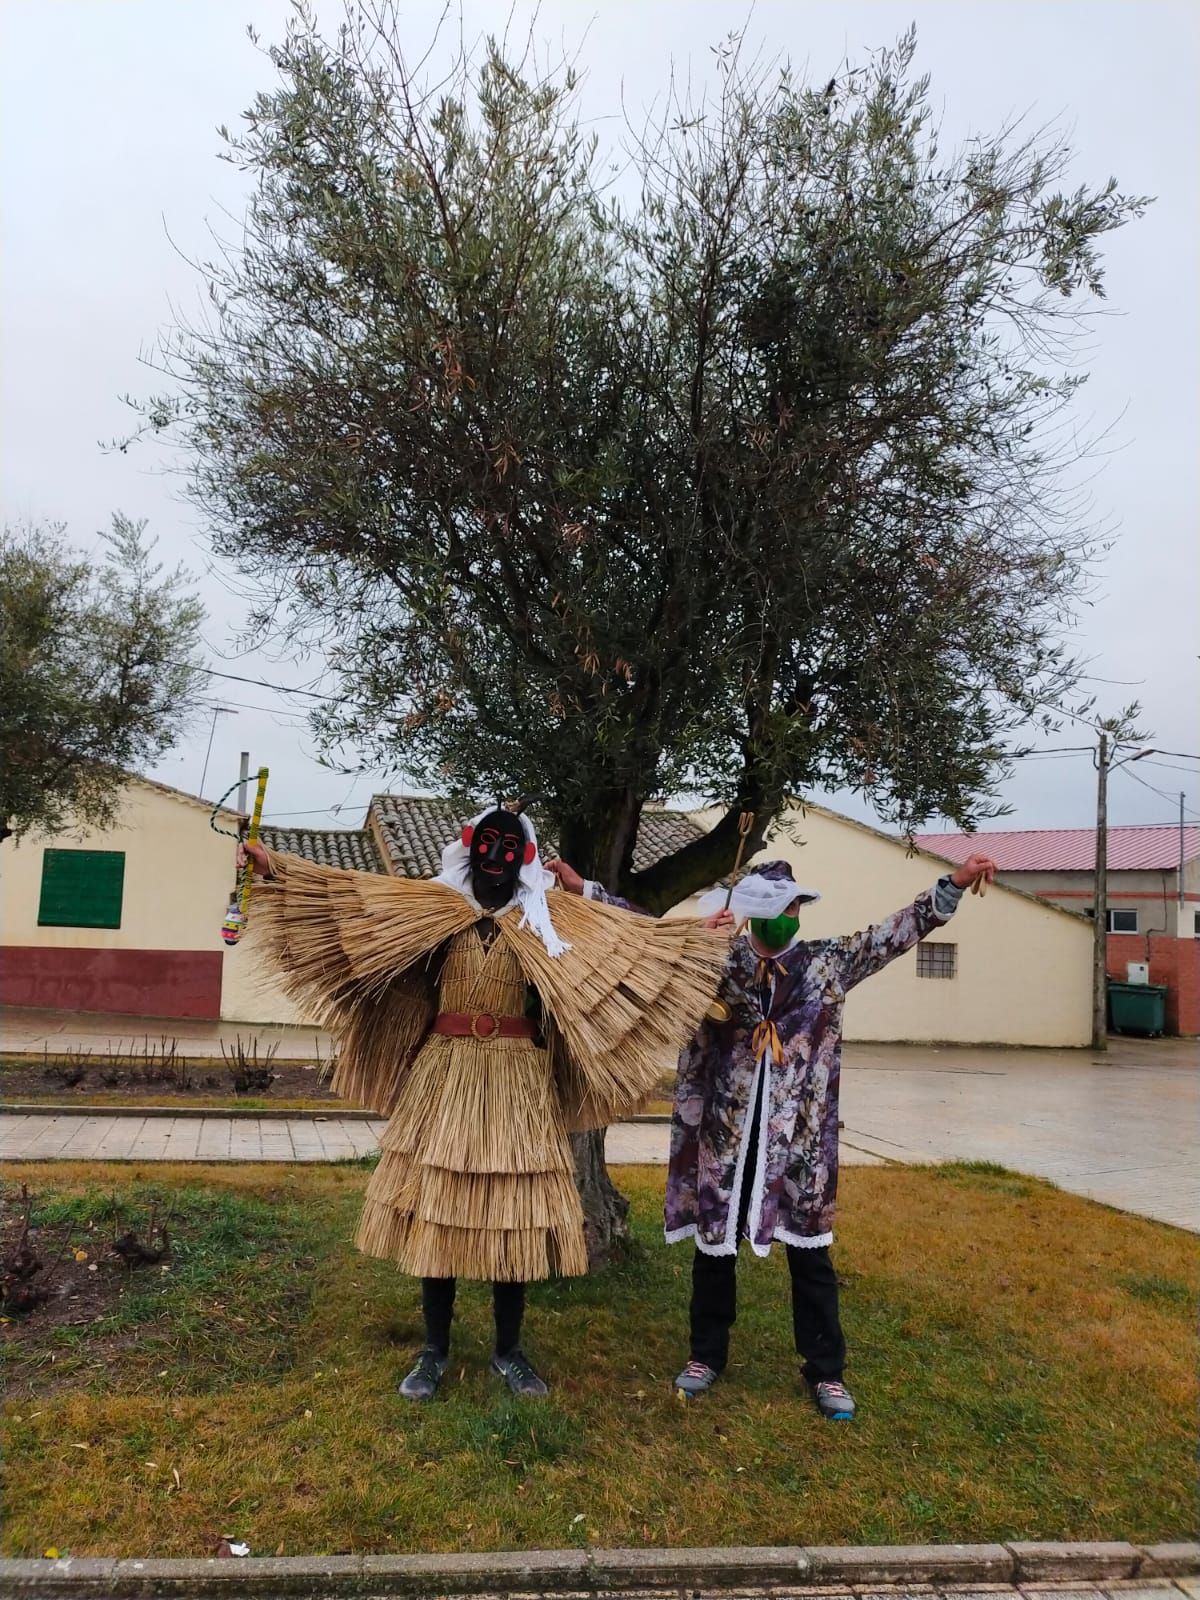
(774, 932)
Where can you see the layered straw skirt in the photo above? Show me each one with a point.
(476, 1177)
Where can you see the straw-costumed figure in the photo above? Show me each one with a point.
(476, 1176)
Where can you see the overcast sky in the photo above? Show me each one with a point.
(107, 141)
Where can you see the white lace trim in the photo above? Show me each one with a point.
(730, 1244)
(754, 1214)
(802, 1241)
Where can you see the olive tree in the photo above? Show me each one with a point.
(98, 673)
(743, 470)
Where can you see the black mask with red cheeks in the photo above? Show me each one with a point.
(499, 849)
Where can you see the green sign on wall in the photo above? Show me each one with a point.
(82, 889)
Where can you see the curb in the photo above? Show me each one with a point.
(586, 1572)
(336, 1112)
(232, 1113)
(33, 1058)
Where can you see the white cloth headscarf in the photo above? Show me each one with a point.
(532, 883)
(756, 896)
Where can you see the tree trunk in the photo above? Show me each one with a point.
(598, 843)
(605, 1208)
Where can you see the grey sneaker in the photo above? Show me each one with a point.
(422, 1382)
(518, 1373)
(695, 1379)
(834, 1401)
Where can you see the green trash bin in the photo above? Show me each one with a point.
(1137, 1008)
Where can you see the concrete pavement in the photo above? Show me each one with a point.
(1119, 1127)
(193, 1137)
(212, 1137)
(1113, 1570)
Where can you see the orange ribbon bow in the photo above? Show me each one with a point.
(765, 1041)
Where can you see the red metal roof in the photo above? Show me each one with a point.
(1151, 848)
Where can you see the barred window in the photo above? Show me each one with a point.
(937, 960)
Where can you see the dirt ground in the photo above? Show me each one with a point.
(83, 1083)
(77, 1280)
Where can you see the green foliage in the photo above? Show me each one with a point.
(746, 475)
(97, 672)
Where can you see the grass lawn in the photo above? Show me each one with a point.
(1023, 1361)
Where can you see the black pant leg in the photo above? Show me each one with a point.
(437, 1307)
(815, 1319)
(508, 1303)
(713, 1309)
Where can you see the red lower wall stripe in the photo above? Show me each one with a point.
(140, 983)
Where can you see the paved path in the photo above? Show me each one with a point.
(187, 1138)
(212, 1137)
(1118, 1127)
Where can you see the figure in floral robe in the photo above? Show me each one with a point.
(754, 1134)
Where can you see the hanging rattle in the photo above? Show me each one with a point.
(239, 905)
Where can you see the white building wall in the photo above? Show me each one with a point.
(1023, 968)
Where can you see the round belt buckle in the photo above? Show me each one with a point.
(492, 1029)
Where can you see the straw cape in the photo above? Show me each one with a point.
(476, 1176)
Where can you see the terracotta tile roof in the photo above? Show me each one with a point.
(1151, 848)
(328, 847)
(415, 830)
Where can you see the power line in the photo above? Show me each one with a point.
(296, 715)
(1162, 793)
(1171, 766)
(1086, 749)
(1047, 755)
(320, 811)
(279, 688)
(1052, 750)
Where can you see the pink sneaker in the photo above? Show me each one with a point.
(833, 1400)
(695, 1379)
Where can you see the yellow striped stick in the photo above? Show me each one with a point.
(252, 838)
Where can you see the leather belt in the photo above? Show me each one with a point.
(482, 1025)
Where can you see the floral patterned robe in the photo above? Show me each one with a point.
(796, 1181)
(795, 1184)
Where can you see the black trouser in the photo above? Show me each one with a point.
(437, 1306)
(815, 1321)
